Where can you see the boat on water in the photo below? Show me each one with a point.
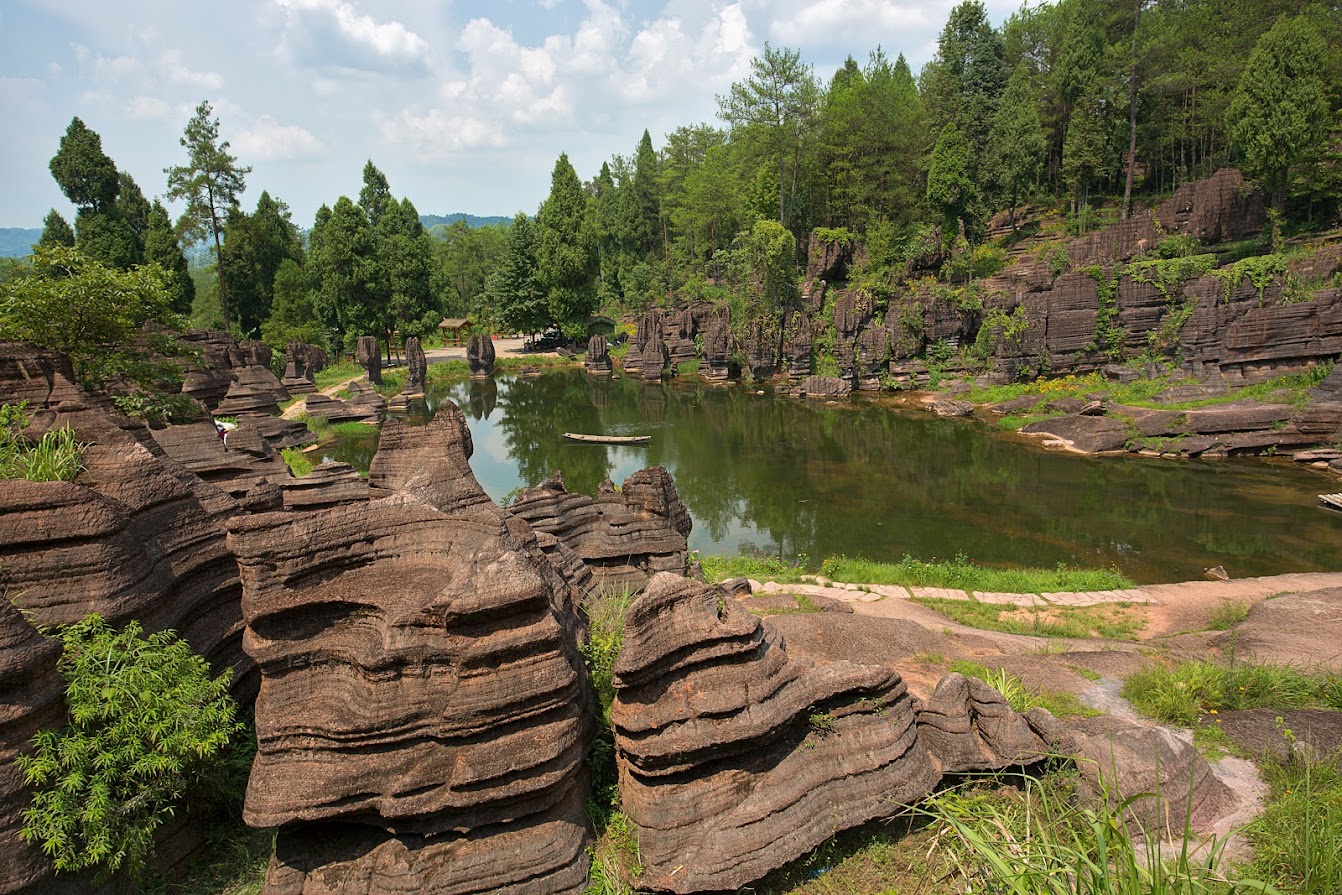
(608, 439)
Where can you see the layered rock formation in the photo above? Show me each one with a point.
(624, 535)
(717, 351)
(234, 468)
(480, 354)
(416, 366)
(301, 363)
(735, 757)
(369, 355)
(597, 359)
(648, 356)
(423, 717)
(968, 727)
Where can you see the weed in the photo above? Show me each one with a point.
(1116, 621)
(1020, 697)
(1188, 691)
(1228, 614)
(55, 457)
(300, 464)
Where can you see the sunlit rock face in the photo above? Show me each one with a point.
(735, 757)
(423, 716)
(624, 535)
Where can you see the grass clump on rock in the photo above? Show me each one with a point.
(55, 457)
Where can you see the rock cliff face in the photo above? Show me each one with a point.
(734, 757)
(623, 536)
(301, 363)
(648, 354)
(422, 718)
(968, 727)
(597, 359)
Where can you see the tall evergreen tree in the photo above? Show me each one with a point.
(566, 250)
(1016, 141)
(162, 248)
(255, 245)
(56, 231)
(647, 198)
(83, 171)
(342, 264)
(210, 183)
(514, 295)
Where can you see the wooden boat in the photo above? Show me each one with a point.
(1331, 501)
(608, 439)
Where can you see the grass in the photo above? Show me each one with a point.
(1228, 614)
(1187, 692)
(233, 862)
(958, 573)
(1020, 697)
(55, 457)
(1288, 389)
(511, 364)
(329, 376)
(802, 605)
(1114, 621)
(1295, 838)
(300, 464)
(325, 430)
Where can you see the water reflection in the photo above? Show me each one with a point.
(869, 480)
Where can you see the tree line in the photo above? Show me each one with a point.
(1060, 104)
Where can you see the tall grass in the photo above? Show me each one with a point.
(300, 464)
(1186, 692)
(1296, 838)
(55, 457)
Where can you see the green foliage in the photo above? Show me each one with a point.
(162, 248)
(55, 457)
(1260, 270)
(949, 187)
(56, 231)
(1228, 614)
(1022, 698)
(1295, 838)
(605, 611)
(83, 171)
(1191, 690)
(1116, 621)
(146, 721)
(1109, 336)
(566, 251)
(298, 462)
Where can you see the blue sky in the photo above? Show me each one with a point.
(464, 105)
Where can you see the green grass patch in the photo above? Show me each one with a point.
(1296, 838)
(1022, 698)
(300, 464)
(957, 573)
(1228, 614)
(233, 862)
(57, 456)
(1185, 693)
(688, 368)
(510, 364)
(325, 430)
(329, 376)
(1114, 621)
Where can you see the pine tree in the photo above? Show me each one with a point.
(566, 250)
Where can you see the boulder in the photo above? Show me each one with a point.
(624, 536)
(735, 757)
(334, 410)
(369, 355)
(480, 354)
(968, 727)
(823, 387)
(717, 356)
(301, 362)
(423, 716)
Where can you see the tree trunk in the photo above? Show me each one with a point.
(1132, 115)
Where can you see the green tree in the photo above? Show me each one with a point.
(83, 171)
(209, 183)
(146, 722)
(405, 267)
(342, 264)
(566, 250)
(133, 208)
(949, 187)
(375, 197)
(773, 109)
(465, 256)
(1016, 140)
(56, 231)
(293, 316)
(1279, 112)
(106, 236)
(1084, 150)
(647, 199)
(514, 294)
(162, 248)
(254, 247)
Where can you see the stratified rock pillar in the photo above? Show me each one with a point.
(480, 354)
(416, 365)
(597, 359)
(370, 358)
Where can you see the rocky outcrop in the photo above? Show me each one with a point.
(301, 363)
(648, 356)
(334, 410)
(735, 757)
(423, 717)
(797, 345)
(480, 354)
(968, 727)
(31, 699)
(717, 351)
(134, 536)
(597, 359)
(416, 366)
(327, 485)
(624, 535)
(255, 390)
(368, 352)
(234, 468)
(761, 349)
(827, 257)
(822, 387)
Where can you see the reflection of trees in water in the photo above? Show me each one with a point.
(536, 413)
(357, 452)
(869, 480)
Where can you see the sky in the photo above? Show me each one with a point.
(465, 105)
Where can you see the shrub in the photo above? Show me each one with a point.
(55, 457)
(146, 722)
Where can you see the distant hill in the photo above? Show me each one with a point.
(472, 220)
(16, 242)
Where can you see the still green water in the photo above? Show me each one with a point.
(866, 478)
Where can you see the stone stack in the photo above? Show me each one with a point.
(480, 354)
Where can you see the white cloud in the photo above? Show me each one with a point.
(332, 32)
(846, 21)
(148, 108)
(268, 139)
(178, 73)
(107, 69)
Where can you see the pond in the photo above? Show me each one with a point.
(868, 478)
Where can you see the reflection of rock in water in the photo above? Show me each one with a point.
(484, 395)
(598, 392)
(652, 402)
